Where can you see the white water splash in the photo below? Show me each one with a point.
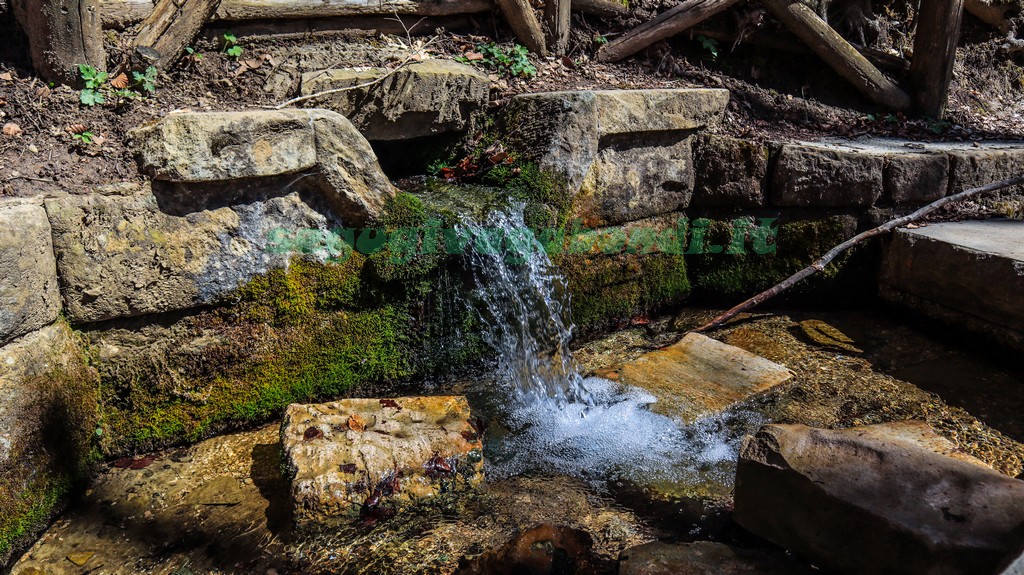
(556, 420)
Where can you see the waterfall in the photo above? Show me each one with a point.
(557, 420)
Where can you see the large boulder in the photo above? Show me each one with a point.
(121, 255)
(225, 147)
(29, 296)
(421, 99)
(877, 499)
(622, 155)
(369, 457)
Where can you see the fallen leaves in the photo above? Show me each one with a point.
(356, 423)
(12, 130)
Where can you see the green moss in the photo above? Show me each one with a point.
(544, 195)
(29, 510)
(608, 290)
(724, 276)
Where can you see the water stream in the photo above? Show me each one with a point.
(554, 419)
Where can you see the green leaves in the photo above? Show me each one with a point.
(231, 46)
(146, 82)
(92, 80)
(90, 97)
(84, 137)
(512, 62)
(709, 44)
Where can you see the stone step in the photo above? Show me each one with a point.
(969, 274)
(700, 376)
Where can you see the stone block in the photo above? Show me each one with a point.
(363, 457)
(29, 294)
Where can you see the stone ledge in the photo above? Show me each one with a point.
(29, 296)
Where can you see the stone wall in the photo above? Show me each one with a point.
(144, 315)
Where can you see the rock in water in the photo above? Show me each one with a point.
(700, 376)
(876, 499)
(704, 557)
(542, 550)
(403, 451)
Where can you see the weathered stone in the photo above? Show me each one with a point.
(730, 172)
(626, 154)
(971, 167)
(704, 557)
(216, 146)
(364, 456)
(121, 256)
(26, 364)
(916, 178)
(864, 500)
(969, 274)
(826, 175)
(235, 147)
(421, 99)
(699, 376)
(29, 296)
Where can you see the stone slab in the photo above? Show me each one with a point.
(968, 273)
(700, 376)
(705, 557)
(353, 457)
(29, 295)
(421, 99)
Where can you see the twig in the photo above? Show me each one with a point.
(293, 101)
(834, 252)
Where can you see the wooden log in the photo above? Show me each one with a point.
(354, 26)
(686, 14)
(521, 18)
(931, 70)
(558, 18)
(838, 53)
(600, 8)
(172, 26)
(62, 34)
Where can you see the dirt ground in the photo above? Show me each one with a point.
(777, 93)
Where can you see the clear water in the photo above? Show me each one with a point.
(552, 418)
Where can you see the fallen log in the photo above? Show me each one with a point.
(938, 32)
(62, 34)
(686, 14)
(600, 8)
(820, 264)
(172, 26)
(523, 21)
(838, 53)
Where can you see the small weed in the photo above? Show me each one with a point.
(92, 81)
(937, 126)
(600, 40)
(192, 54)
(145, 82)
(231, 46)
(514, 62)
(709, 44)
(85, 138)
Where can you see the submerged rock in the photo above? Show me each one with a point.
(704, 557)
(421, 99)
(700, 376)
(368, 457)
(542, 550)
(877, 499)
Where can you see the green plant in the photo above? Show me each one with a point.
(92, 81)
(937, 126)
(231, 46)
(192, 54)
(600, 40)
(709, 44)
(145, 82)
(85, 138)
(513, 62)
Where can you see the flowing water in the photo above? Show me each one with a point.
(554, 419)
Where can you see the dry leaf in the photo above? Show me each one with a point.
(120, 81)
(474, 56)
(7, 77)
(356, 423)
(11, 129)
(76, 128)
